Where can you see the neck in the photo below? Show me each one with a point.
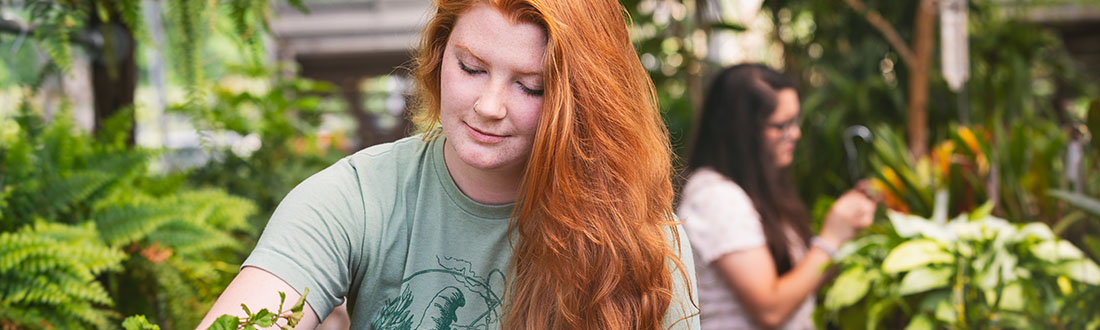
(492, 186)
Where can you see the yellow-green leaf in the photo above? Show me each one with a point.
(920, 322)
(848, 288)
(1081, 270)
(915, 253)
(924, 279)
(1054, 251)
(225, 322)
(1013, 297)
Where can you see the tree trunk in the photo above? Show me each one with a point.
(917, 112)
(114, 73)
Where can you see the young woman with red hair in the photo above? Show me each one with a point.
(538, 198)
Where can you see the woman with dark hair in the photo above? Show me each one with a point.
(757, 262)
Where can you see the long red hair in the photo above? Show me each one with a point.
(594, 216)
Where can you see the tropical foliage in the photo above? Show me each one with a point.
(280, 121)
(89, 235)
(976, 271)
(59, 24)
(92, 228)
(850, 74)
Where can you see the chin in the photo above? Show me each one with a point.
(785, 162)
(483, 158)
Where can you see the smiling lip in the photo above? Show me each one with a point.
(482, 136)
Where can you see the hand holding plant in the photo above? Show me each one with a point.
(852, 212)
(263, 318)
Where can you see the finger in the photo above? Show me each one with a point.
(865, 188)
(863, 185)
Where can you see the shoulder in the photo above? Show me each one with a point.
(360, 189)
(706, 183)
(397, 154)
(718, 216)
(706, 189)
(364, 169)
(380, 169)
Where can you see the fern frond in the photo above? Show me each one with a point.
(130, 13)
(250, 23)
(128, 222)
(188, 17)
(53, 35)
(60, 194)
(226, 212)
(49, 270)
(199, 272)
(185, 237)
(180, 298)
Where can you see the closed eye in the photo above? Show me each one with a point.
(531, 92)
(468, 69)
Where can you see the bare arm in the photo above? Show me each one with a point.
(770, 299)
(257, 289)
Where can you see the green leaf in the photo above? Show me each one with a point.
(1092, 243)
(945, 313)
(915, 253)
(296, 311)
(138, 322)
(1038, 230)
(1081, 201)
(848, 288)
(908, 225)
(982, 211)
(1067, 221)
(265, 318)
(878, 310)
(282, 299)
(728, 26)
(225, 322)
(1013, 297)
(920, 322)
(1081, 270)
(1017, 321)
(1054, 251)
(924, 279)
(857, 246)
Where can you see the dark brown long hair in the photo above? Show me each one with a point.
(594, 216)
(730, 140)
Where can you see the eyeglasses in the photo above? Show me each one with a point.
(786, 127)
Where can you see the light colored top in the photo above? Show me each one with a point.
(388, 228)
(720, 219)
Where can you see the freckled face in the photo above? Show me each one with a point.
(491, 89)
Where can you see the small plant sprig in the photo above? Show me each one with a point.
(263, 318)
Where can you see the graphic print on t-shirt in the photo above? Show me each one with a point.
(460, 299)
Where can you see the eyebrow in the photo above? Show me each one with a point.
(471, 53)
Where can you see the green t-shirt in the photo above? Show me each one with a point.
(389, 229)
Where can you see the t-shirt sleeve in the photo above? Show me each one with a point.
(720, 218)
(683, 310)
(310, 239)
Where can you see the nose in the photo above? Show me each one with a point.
(491, 102)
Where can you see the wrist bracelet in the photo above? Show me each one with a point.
(821, 244)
